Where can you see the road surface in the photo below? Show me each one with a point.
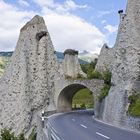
(82, 126)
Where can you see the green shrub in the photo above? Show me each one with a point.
(90, 105)
(89, 68)
(21, 137)
(132, 99)
(85, 67)
(2, 66)
(79, 76)
(83, 96)
(93, 63)
(33, 135)
(106, 75)
(134, 107)
(104, 92)
(89, 73)
(75, 106)
(7, 134)
(94, 74)
(83, 106)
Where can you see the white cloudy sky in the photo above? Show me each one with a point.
(76, 24)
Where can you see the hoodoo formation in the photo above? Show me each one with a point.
(27, 86)
(123, 62)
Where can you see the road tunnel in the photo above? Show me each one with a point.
(65, 98)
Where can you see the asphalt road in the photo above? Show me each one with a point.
(81, 126)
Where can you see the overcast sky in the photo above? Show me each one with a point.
(76, 24)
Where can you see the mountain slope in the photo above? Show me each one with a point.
(87, 56)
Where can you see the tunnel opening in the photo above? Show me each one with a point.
(83, 99)
(74, 97)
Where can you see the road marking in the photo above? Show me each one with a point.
(54, 130)
(83, 125)
(73, 120)
(102, 135)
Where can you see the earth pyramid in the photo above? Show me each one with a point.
(27, 85)
(123, 60)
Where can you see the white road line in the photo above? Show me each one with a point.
(102, 135)
(73, 120)
(54, 130)
(83, 125)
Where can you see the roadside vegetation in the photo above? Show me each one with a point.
(7, 134)
(3, 63)
(89, 69)
(134, 107)
(106, 76)
(83, 99)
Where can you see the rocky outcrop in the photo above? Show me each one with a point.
(106, 59)
(27, 86)
(71, 65)
(125, 65)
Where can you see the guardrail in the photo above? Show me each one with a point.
(87, 111)
(49, 133)
(52, 134)
(41, 121)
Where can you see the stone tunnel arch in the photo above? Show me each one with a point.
(64, 103)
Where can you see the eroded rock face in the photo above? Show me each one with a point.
(106, 59)
(125, 65)
(71, 65)
(27, 86)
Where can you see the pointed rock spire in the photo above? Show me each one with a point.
(28, 83)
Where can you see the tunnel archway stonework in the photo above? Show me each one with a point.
(65, 90)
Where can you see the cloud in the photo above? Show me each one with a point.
(66, 30)
(111, 29)
(12, 20)
(48, 3)
(103, 21)
(23, 3)
(103, 13)
(69, 31)
(68, 5)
